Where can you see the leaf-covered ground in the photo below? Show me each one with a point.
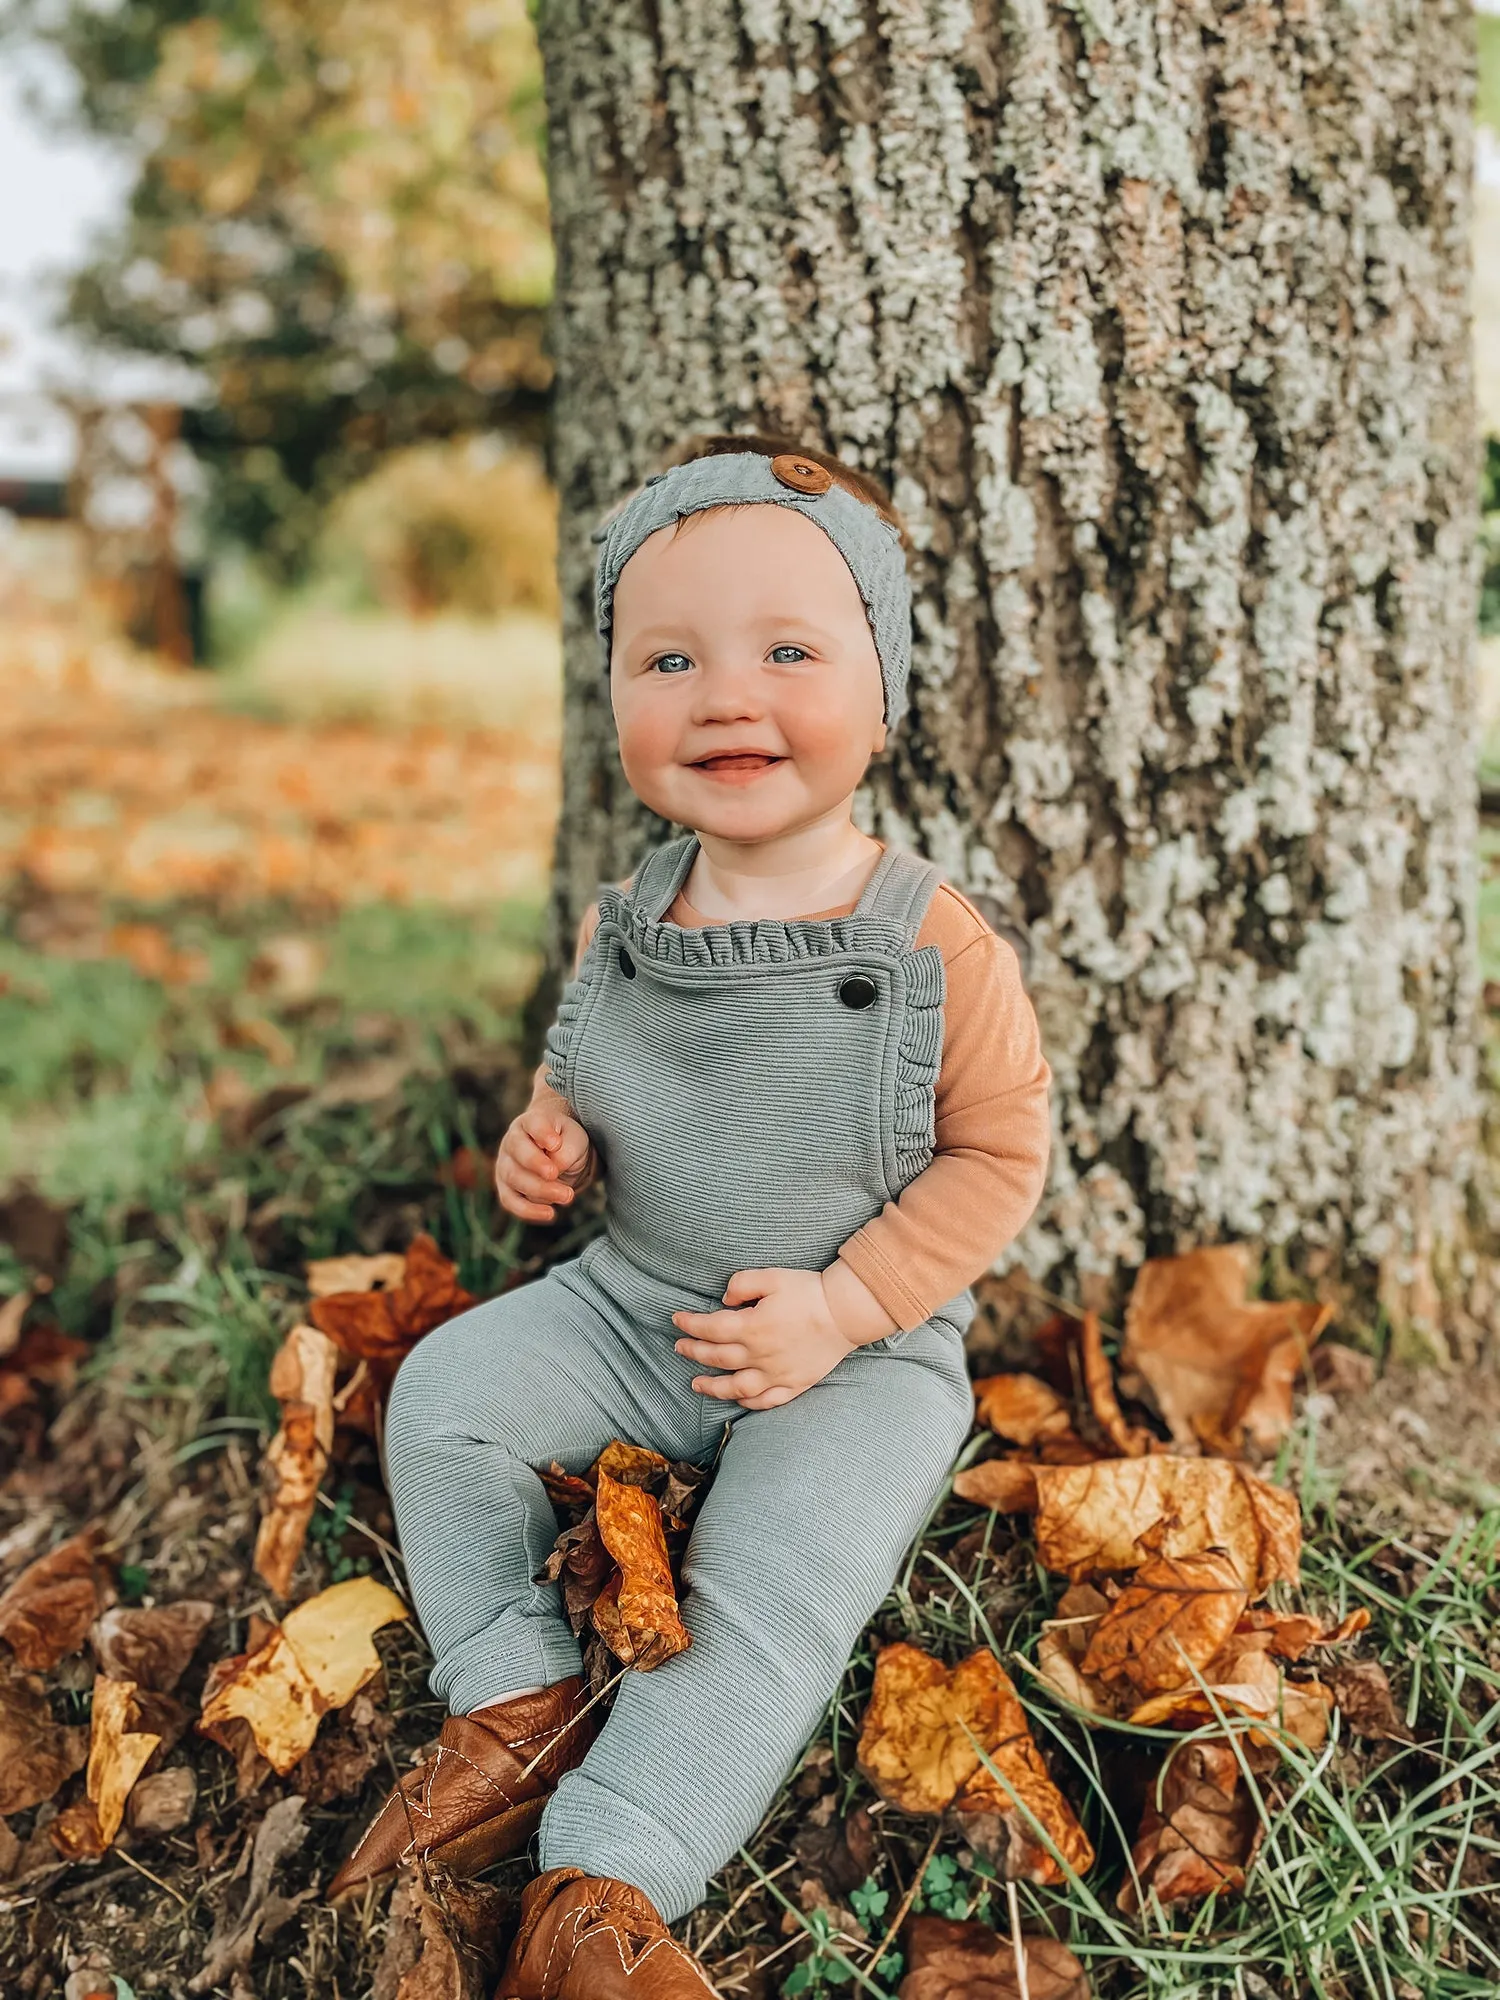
(200, 1093)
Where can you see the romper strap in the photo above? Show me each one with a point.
(659, 876)
(900, 890)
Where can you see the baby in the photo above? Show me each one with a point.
(811, 1079)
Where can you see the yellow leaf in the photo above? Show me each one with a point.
(116, 1755)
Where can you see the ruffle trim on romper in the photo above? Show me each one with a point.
(769, 941)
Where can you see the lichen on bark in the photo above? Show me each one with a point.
(1155, 320)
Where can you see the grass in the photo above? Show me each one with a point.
(196, 1201)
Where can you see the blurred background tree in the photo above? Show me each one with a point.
(340, 222)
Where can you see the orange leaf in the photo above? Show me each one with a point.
(1199, 1831)
(329, 1275)
(1006, 1484)
(921, 1744)
(318, 1658)
(1121, 1512)
(1176, 1614)
(302, 1378)
(382, 1327)
(1021, 1408)
(117, 1755)
(1244, 1680)
(1221, 1366)
(1128, 1439)
(1292, 1633)
(636, 1615)
(954, 1961)
(47, 1611)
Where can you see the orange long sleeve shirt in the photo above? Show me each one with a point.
(993, 1128)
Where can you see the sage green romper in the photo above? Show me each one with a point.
(757, 1091)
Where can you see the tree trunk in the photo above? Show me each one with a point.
(1155, 321)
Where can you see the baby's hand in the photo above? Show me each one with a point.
(781, 1332)
(545, 1158)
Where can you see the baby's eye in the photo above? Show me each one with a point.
(787, 656)
(671, 663)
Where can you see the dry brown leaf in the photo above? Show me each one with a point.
(36, 1755)
(1291, 1633)
(1130, 1440)
(318, 1658)
(12, 1311)
(954, 1961)
(461, 1929)
(47, 1611)
(1222, 1366)
(162, 1803)
(382, 1327)
(1066, 1637)
(921, 1744)
(1199, 1831)
(117, 1753)
(1362, 1694)
(327, 1276)
(1119, 1513)
(636, 1613)
(302, 1381)
(1342, 1371)
(1175, 1614)
(76, 1833)
(1021, 1408)
(151, 1648)
(1006, 1484)
(1243, 1679)
(582, 1564)
(45, 1358)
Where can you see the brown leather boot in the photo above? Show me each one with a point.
(584, 1937)
(481, 1796)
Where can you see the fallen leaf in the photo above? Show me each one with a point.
(1066, 1638)
(151, 1648)
(566, 1489)
(583, 1565)
(327, 1276)
(1119, 1513)
(1363, 1696)
(45, 1357)
(256, 1031)
(36, 1229)
(635, 1613)
(955, 1961)
(1243, 1679)
(461, 1928)
(1006, 1484)
(46, 1613)
(921, 1744)
(918, 1742)
(302, 1381)
(288, 968)
(1291, 1633)
(1174, 1615)
(1021, 1408)
(382, 1327)
(36, 1754)
(162, 1803)
(346, 1751)
(261, 1914)
(318, 1658)
(1098, 1380)
(1221, 1366)
(842, 1853)
(117, 1753)
(76, 1833)
(1199, 1831)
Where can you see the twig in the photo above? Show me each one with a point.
(1013, 1903)
(906, 1901)
(141, 1868)
(738, 1904)
(571, 1723)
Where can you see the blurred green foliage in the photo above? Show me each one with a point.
(340, 223)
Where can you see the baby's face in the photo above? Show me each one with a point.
(744, 675)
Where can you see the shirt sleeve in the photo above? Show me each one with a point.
(992, 1137)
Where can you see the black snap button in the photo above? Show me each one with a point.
(857, 991)
(627, 963)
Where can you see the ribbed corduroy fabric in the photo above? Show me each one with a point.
(753, 1109)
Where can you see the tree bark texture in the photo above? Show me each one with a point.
(1154, 316)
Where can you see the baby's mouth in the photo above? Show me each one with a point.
(738, 763)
